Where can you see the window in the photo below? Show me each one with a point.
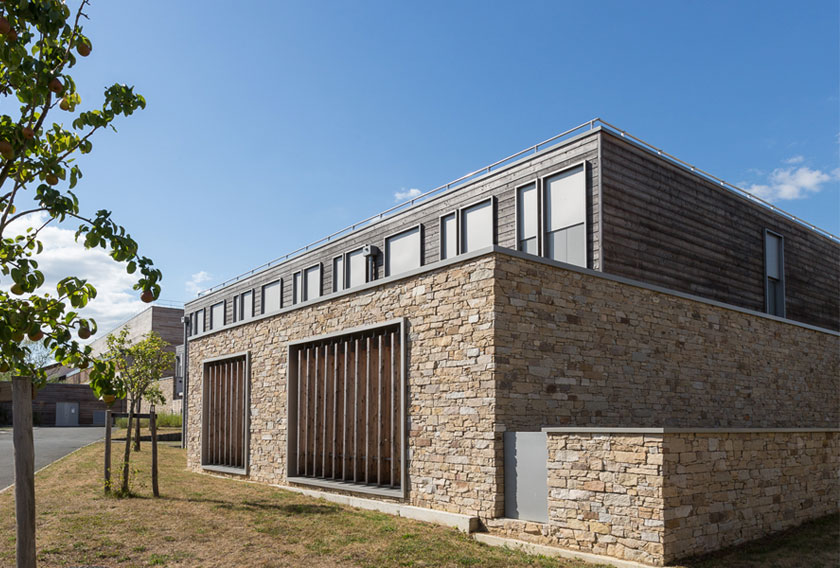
(551, 216)
(565, 216)
(345, 409)
(477, 226)
(338, 273)
(243, 306)
(224, 420)
(217, 315)
(527, 219)
(272, 297)
(306, 284)
(449, 236)
(297, 288)
(356, 265)
(774, 273)
(312, 282)
(404, 251)
(199, 321)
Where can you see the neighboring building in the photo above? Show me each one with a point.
(590, 345)
(164, 321)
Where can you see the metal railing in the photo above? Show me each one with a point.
(463, 180)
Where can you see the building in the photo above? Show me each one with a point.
(589, 344)
(166, 322)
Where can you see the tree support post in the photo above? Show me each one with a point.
(24, 471)
(153, 429)
(108, 421)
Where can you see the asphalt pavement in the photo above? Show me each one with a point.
(50, 445)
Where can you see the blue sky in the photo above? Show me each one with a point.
(272, 124)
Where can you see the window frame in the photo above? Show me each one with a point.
(782, 284)
(441, 255)
(347, 254)
(385, 255)
(302, 295)
(541, 187)
(245, 470)
(224, 315)
(516, 228)
(262, 295)
(493, 218)
(336, 278)
(292, 416)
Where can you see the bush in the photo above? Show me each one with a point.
(164, 420)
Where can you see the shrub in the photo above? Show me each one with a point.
(164, 420)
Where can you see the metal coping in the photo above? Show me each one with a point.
(550, 142)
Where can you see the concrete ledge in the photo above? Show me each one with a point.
(463, 523)
(553, 551)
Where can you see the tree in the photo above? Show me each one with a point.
(38, 174)
(37, 355)
(139, 367)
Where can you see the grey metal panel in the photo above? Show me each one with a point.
(448, 236)
(477, 226)
(98, 417)
(271, 294)
(356, 270)
(217, 315)
(526, 476)
(66, 413)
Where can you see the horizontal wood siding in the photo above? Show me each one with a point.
(501, 185)
(669, 227)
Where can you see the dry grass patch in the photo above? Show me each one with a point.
(202, 520)
(208, 521)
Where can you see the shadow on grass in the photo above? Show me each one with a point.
(818, 541)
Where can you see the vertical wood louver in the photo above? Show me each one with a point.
(225, 413)
(346, 408)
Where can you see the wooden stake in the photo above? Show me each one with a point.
(24, 471)
(108, 421)
(153, 428)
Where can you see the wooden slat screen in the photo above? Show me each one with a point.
(347, 409)
(225, 413)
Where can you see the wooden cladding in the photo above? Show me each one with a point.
(346, 408)
(225, 413)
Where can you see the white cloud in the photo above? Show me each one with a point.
(795, 160)
(406, 195)
(62, 256)
(197, 281)
(791, 183)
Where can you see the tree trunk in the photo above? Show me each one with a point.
(127, 454)
(24, 471)
(137, 427)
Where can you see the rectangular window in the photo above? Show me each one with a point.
(224, 420)
(404, 251)
(297, 288)
(527, 219)
(338, 273)
(774, 273)
(346, 409)
(564, 201)
(217, 315)
(312, 282)
(243, 306)
(477, 226)
(448, 236)
(272, 297)
(199, 321)
(356, 264)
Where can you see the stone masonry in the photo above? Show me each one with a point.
(499, 343)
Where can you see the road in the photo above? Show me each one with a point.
(50, 444)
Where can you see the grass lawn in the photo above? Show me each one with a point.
(207, 521)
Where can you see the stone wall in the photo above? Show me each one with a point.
(576, 349)
(659, 497)
(605, 494)
(451, 441)
(723, 489)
